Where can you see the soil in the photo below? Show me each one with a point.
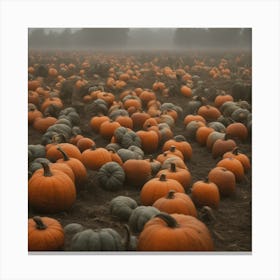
(231, 226)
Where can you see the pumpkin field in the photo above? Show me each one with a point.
(139, 151)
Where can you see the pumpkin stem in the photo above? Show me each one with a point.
(170, 194)
(173, 167)
(65, 156)
(235, 151)
(170, 221)
(172, 149)
(93, 147)
(162, 177)
(47, 171)
(39, 223)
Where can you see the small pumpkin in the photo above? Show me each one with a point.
(209, 113)
(181, 144)
(222, 146)
(111, 176)
(202, 134)
(234, 165)
(76, 165)
(224, 179)
(149, 140)
(235, 153)
(122, 207)
(45, 234)
(157, 188)
(94, 158)
(205, 193)
(85, 143)
(175, 232)
(140, 216)
(237, 131)
(182, 175)
(105, 239)
(72, 151)
(175, 202)
(138, 172)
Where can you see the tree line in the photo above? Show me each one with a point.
(108, 38)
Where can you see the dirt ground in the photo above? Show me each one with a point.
(232, 227)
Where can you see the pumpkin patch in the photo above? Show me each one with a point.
(120, 146)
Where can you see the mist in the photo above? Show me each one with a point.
(108, 39)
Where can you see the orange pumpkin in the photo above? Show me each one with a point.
(157, 188)
(175, 232)
(45, 234)
(176, 202)
(205, 193)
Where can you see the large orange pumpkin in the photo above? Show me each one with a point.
(45, 234)
(175, 232)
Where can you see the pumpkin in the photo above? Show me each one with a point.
(107, 128)
(94, 158)
(209, 113)
(235, 153)
(175, 202)
(42, 124)
(96, 122)
(45, 234)
(186, 91)
(36, 151)
(182, 175)
(125, 121)
(178, 162)
(224, 179)
(155, 165)
(72, 151)
(222, 146)
(76, 165)
(64, 168)
(189, 118)
(234, 165)
(73, 228)
(158, 187)
(149, 140)
(221, 99)
(137, 171)
(205, 193)
(130, 138)
(237, 131)
(85, 143)
(105, 239)
(33, 114)
(111, 176)
(202, 134)
(140, 216)
(175, 232)
(192, 127)
(212, 138)
(51, 191)
(138, 119)
(122, 207)
(181, 144)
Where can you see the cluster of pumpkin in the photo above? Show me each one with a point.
(143, 152)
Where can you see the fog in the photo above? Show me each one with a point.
(107, 39)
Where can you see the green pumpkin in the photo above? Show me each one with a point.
(105, 239)
(140, 216)
(111, 176)
(36, 151)
(130, 138)
(122, 207)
